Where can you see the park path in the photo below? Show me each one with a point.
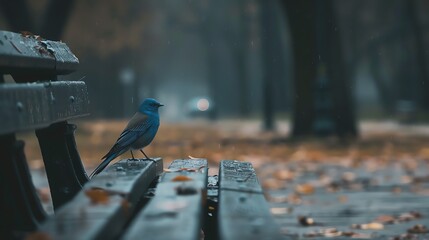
(381, 179)
(349, 199)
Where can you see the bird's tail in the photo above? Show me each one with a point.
(102, 166)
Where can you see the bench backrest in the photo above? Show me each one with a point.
(36, 100)
(28, 58)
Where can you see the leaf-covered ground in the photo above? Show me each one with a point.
(376, 185)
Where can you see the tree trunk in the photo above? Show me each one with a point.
(418, 42)
(384, 92)
(241, 59)
(268, 33)
(323, 98)
(17, 15)
(344, 111)
(301, 20)
(55, 19)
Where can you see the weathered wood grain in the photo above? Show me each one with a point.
(35, 105)
(177, 209)
(88, 218)
(243, 212)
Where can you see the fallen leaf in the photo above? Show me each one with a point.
(343, 199)
(125, 205)
(332, 232)
(38, 236)
(294, 199)
(396, 190)
(385, 219)
(277, 199)
(273, 184)
(44, 194)
(406, 236)
(306, 189)
(405, 217)
(284, 174)
(192, 169)
(327, 232)
(419, 228)
(280, 210)
(348, 176)
(27, 34)
(97, 196)
(305, 221)
(181, 178)
(405, 179)
(368, 226)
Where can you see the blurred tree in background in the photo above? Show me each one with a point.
(323, 64)
(323, 103)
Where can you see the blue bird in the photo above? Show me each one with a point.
(139, 133)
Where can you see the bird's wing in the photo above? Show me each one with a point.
(138, 125)
(136, 121)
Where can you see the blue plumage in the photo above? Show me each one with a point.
(139, 133)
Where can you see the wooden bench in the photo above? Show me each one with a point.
(130, 199)
(37, 101)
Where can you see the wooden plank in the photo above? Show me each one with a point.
(243, 211)
(26, 53)
(176, 211)
(35, 105)
(95, 217)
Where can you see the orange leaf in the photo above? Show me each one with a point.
(343, 198)
(38, 236)
(385, 219)
(44, 194)
(305, 189)
(284, 174)
(97, 196)
(181, 178)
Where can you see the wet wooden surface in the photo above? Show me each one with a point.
(243, 212)
(177, 210)
(25, 53)
(102, 208)
(34, 105)
(313, 200)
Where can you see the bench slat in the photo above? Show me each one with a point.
(125, 181)
(35, 105)
(25, 54)
(243, 211)
(176, 211)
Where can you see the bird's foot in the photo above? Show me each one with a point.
(133, 159)
(149, 159)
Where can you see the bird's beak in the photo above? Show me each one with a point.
(161, 104)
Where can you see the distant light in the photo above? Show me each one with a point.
(203, 104)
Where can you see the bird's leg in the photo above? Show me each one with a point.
(147, 158)
(132, 155)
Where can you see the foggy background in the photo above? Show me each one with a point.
(322, 64)
(325, 98)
